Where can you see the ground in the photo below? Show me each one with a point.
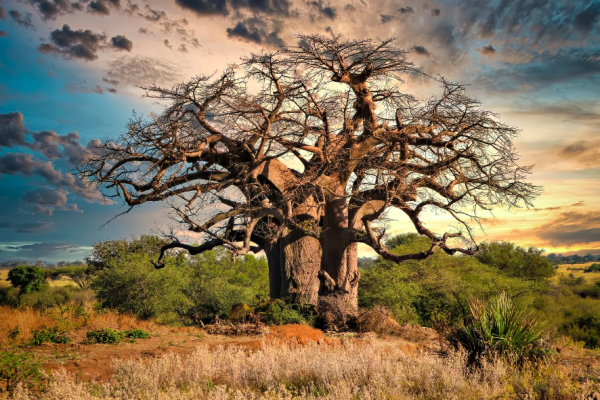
(577, 270)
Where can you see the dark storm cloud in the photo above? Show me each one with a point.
(586, 19)
(420, 50)
(12, 130)
(48, 200)
(571, 228)
(255, 30)
(41, 250)
(120, 42)
(140, 71)
(74, 43)
(204, 7)
(406, 10)
(26, 227)
(22, 20)
(52, 9)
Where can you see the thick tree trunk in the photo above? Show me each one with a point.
(273, 254)
(299, 262)
(339, 269)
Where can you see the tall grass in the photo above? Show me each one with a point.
(346, 371)
(501, 327)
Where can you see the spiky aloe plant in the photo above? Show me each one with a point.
(501, 327)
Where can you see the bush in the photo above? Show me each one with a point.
(114, 336)
(27, 278)
(592, 268)
(501, 327)
(45, 334)
(50, 297)
(278, 312)
(106, 336)
(16, 368)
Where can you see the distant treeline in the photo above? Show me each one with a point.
(573, 259)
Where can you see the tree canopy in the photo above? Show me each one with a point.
(308, 147)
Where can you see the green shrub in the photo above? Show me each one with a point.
(501, 327)
(106, 336)
(278, 312)
(50, 297)
(593, 268)
(114, 336)
(27, 278)
(45, 334)
(137, 334)
(18, 368)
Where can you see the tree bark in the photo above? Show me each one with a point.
(300, 262)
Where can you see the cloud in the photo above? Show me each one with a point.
(326, 11)
(48, 200)
(278, 7)
(120, 42)
(82, 44)
(140, 71)
(2, 13)
(204, 7)
(27, 227)
(81, 87)
(3, 34)
(74, 44)
(256, 31)
(22, 20)
(571, 228)
(22, 164)
(52, 9)
(12, 130)
(420, 50)
(14, 134)
(102, 7)
(435, 12)
(586, 19)
(167, 44)
(488, 51)
(36, 251)
(406, 10)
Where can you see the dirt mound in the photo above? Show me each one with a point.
(296, 333)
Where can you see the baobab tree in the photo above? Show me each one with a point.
(300, 152)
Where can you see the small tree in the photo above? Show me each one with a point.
(27, 278)
(300, 152)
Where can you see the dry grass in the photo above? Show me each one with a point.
(68, 318)
(346, 371)
(589, 276)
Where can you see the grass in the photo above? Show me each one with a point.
(589, 276)
(63, 281)
(19, 325)
(349, 370)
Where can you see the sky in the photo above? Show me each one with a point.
(71, 71)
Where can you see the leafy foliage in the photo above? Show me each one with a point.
(199, 288)
(278, 312)
(501, 327)
(27, 278)
(114, 336)
(16, 367)
(592, 268)
(46, 334)
(435, 291)
(516, 261)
